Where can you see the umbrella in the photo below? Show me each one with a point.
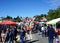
(8, 23)
(0, 23)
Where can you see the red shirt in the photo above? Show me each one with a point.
(27, 28)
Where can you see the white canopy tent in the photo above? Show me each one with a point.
(54, 21)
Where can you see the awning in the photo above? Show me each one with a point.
(8, 23)
(54, 21)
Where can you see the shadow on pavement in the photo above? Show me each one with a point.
(33, 41)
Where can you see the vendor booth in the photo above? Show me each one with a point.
(55, 23)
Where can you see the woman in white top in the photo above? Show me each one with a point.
(3, 36)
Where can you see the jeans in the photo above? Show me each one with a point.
(43, 34)
(9, 41)
(22, 39)
(38, 32)
(50, 40)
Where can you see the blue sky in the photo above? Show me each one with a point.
(25, 8)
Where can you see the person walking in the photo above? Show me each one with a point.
(3, 36)
(56, 35)
(43, 30)
(8, 36)
(51, 34)
(22, 34)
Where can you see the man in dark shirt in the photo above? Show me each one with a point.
(51, 33)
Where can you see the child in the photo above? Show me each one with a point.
(57, 40)
(56, 35)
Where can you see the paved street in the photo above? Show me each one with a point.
(38, 39)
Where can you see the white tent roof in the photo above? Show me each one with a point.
(54, 21)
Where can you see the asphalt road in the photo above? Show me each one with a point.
(38, 39)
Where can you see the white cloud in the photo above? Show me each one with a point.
(53, 2)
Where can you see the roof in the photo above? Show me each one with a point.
(54, 21)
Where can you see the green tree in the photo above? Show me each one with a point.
(8, 17)
(38, 17)
(53, 14)
(17, 19)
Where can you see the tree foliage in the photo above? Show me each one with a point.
(8, 17)
(38, 17)
(18, 19)
(52, 14)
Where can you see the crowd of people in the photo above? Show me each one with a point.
(24, 31)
